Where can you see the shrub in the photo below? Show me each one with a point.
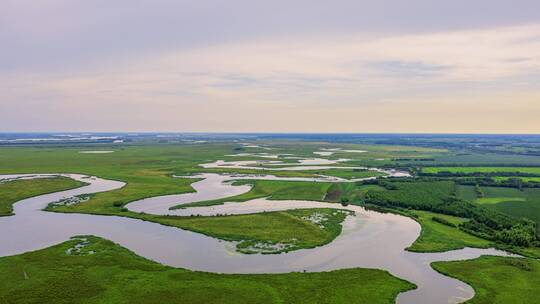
(443, 221)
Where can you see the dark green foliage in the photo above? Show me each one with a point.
(441, 220)
(478, 174)
(416, 195)
(512, 182)
(440, 197)
(478, 190)
(522, 234)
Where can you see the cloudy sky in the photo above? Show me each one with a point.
(270, 66)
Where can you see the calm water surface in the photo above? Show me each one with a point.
(369, 239)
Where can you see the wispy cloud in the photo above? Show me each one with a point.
(291, 83)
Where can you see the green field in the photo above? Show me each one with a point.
(115, 275)
(435, 236)
(416, 194)
(510, 201)
(480, 159)
(496, 200)
(443, 197)
(147, 171)
(467, 193)
(376, 155)
(274, 190)
(434, 170)
(523, 178)
(289, 228)
(16, 190)
(497, 280)
(493, 195)
(350, 192)
(438, 237)
(524, 204)
(348, 173)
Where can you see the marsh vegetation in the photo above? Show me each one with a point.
(461, 198)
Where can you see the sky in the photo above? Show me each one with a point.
(422, 66)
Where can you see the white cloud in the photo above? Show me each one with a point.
(346, 76)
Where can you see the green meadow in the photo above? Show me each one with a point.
(291, 228)
(350, 192)
(524, 203)
(416, 194)
(16, 190)
(113, 274)
(497, 280)
(273, 190)
(530, 170)
(147, 171)
(349, 173)
(523, 178)
(438, 236)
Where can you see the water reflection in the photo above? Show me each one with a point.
(369, 239)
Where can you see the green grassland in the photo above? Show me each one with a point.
(277, 227)
(530, 208)
(438, 237)
(282, 227)
(484, 159)
(348, 173)
(467, 193)
(442, 196)
(147, 172)
(416, 194)
(523, 203)
(343, 172)
(350, 192)
(530, 170)
(523, 178)
(497, 280)
(273, 190)
(306, 148)
(435, 236)
(195, 170)
(492, 192)
(375, 155)
(16, 190)
(114, 274)
(496, 200)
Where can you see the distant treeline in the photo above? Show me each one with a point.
(413, 159)
(485, 179)
(487, 165)
(479, 174)
(517, 183)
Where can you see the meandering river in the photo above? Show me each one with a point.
(369, 239)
